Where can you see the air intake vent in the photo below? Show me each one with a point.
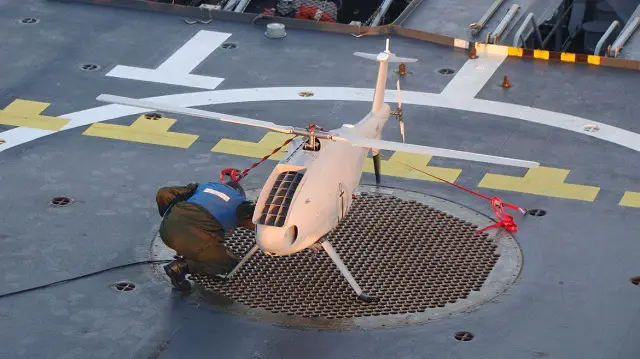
(276, 207)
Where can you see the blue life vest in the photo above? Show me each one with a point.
(221, 201)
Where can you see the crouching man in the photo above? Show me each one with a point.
(196, 219)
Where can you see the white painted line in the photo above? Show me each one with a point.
(608, 133)
(140, 74)
(20, 135)
(473, 75)
(196, 50)
(176, 69)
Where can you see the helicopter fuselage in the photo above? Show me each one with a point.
(309, 190)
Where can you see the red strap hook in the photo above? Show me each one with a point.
(504, 219)
(233, 173)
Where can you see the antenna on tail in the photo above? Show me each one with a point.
(398, 112)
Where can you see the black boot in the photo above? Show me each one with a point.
(177, 270)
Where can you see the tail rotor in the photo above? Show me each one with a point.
(384, 58)
(398, 113)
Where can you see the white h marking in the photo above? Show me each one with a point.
(176, 69)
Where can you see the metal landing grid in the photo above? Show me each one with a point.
(412, 256)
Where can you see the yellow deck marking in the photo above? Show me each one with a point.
(630, 199)
(543, 181)
(23, 113)
(593, 60)
(268, 143)
(387, 168)
(541, 54)
(515, 51)
(568, 57)
(144, 130)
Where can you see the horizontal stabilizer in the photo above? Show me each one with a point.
(366, 55)
(389, 57)
(394, 58)
(436, 152)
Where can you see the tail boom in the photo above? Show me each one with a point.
(384, 58)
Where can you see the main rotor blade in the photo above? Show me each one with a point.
(435, 151)
(193, 112)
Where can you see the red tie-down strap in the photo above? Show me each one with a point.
(504, 219)
(233, 173)
(236, 175)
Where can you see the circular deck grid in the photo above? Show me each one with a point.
(420, 255)
(420, 261)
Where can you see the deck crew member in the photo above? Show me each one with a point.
(196, 219)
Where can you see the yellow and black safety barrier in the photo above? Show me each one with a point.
(555, 56)
(574, 58)
(392, 29)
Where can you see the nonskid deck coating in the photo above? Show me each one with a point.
(573, 299)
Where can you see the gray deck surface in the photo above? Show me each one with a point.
(573, 299)
(452, 18)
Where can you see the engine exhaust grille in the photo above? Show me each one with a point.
(276, 207)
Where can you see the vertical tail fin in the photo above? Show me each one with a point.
(384, 58)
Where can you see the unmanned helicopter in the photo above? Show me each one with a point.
(309, 191)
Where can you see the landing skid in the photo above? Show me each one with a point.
(334, 257)
(346, 274)
(242, 262)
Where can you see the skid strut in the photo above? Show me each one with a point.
(244, 260)
(345, 272)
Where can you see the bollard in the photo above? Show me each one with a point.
(505, 82)
(402, 69)
(472, 51)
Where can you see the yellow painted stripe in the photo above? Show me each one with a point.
(630, 199)
(593, 60)
(568, 57)
(143, 130)
(544, 181)
(266, 145)
(541, 54)
(514, 51)
(23, 113)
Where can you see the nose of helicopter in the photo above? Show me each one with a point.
(275, 240)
